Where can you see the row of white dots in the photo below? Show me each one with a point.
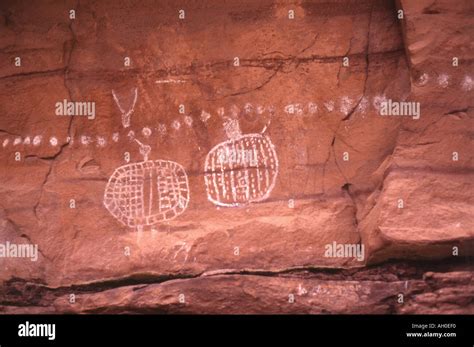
(444, 80)
(101, 141)
(345, 105)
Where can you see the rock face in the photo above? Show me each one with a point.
(366, 205)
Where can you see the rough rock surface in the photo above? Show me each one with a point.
(400, 186)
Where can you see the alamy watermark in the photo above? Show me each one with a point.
(400, 108)
(13, 250)
(76, 108)
(345, 250)
(28, 329)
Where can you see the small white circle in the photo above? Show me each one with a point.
(188, 120)
(101, 142)
(176, 125)
(37, 140)
(85, 140)
(146, 132)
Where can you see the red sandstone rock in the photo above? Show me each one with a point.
(317, 113)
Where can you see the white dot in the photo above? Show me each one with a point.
(176, 124)
(85, 140)
(443, 80)
(205, 116)
(467, 83)
(5, 142)
(162, 129)
(248, 107)
(290, 109)
(312, 107)
(37, 140)
(53, 141)
(146, 132)
(17, 141)
(329, 105)
(423, 79)
(378, 101)
(101, 142)
(188, 120)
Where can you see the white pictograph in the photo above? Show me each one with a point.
(85, 140)
(148, 192)
(242, 169)
(312, 107)
(423, 79)
(443, 80)
(220, 111)
(248, 107)
(126, 114)
(294, 109)
(363, 105)
(37, 140)
(188, 120)
(205, 116)
(346, 105)
(329, 105)
(162, 129)
(146, 131)
(169, 81)
(467, 83)
(176, 125)
(378, 100)
(101, 141)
